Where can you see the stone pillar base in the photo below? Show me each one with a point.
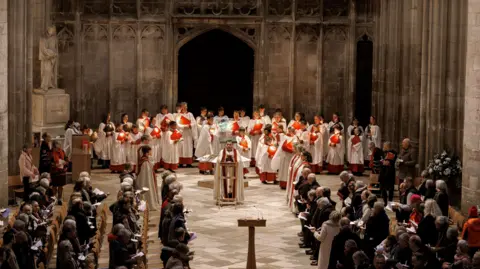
(51, 110)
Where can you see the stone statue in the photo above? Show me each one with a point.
(48, 56)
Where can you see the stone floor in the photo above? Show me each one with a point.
(220, 243)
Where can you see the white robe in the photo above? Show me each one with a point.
(162, 121)
(218, 119)
(218, 183)
(133, 146)
(104, 144)
(292, 166)
(244, 121)
(67, 143)
(275, 125)
(119, 156)
(336, 154)
(142, 122)
(208, 142)
(200, 122)
(264, 162)
(376, 137)
(190, 135)
(146, 179)
(245, 152)
(355, 155)
(317, 148)
(155, 144)
(256, 137)
(281, 160)
(266, 119)
(297, 173)
(331, 123)
(349, 135)
(170, 153)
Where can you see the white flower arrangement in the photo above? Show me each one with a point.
(443, 166)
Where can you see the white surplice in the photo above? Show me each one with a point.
(119, 156)
(244, 121)
(331, 124)
(266, 119)
(155, 144)
(336, 154)
(255, 137)
(208, 142)
(67, 143)
(218, 185)
(142, 123)
(104, 144)
(146, 179)
(349, 135)
(375, 136)
(244, 146)
(355, 155)
(132, 148)
(282, 158)
(162, 121)
(200, 122)
(219, 119)
(170, 153)
(316, 145)
(264, 161)
(190, 134)
(275, 125)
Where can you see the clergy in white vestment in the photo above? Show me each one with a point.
(316, 136)
(336, 152)
(255, 129)
(244, 146)
(355, 155)
(301, 163)
(171, 150)
(227, 188)
(281, 161)
(277, 121)
(244, 119)
(146, 178)
(334, 122)
(349, 134)
(134, 142)
(221, 117)
(263, 115)
(372, 134)
(208, 144)
(266, 149)
(201, 119)
(143, 121)
(188, 126)
(119, 157)
(294, 162)
(161, 121)
(104, 144)
(67, 143)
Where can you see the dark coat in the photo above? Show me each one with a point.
(407, 167)
(46, 158)
(428, 231)
(387, 172)
(443, 202)
(376, 230)
(177, 222)
(120, 256)
(305, 188)
(338, 245)
(321, 215)
(401, 255)
(84, 232)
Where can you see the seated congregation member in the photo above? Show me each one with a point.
(417, 209)
(349, 250)
(357, 205)
(429, 191)
(84, 230)
(404, 209)
(360, 260)
(171, 149)
(343, 192)
(416, 245)
(306, 235)
(325, 236)
(447, 244)
(148, 179)
(336, 152)
(169, 248)
(180, 257)
(69, 232)
(471, 230)
(120, 255)
(426, 228)
(167, 214)
(125, 214)
(462, 259)
(337, 254)
(309, 184)
(65, 260)
(178, 221)
(401, 253)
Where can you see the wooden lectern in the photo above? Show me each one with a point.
(251, 224)
(228, 178)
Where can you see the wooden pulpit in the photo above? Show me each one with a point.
(251, 224)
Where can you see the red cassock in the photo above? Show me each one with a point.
(274, 126)
(235, 127)
(313, 138)
(155, 132)
(356, 140)
(335, 139)
(296, 125)
(176, 135)
(257, 127)
(165, 123)
(287, 146)
(271, 151)
(184, 121)
(121, 137)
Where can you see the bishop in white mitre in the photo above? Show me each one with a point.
(227, 188)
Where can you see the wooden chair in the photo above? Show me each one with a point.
(15, 185)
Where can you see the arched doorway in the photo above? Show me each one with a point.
(363, 89)
(216, 69)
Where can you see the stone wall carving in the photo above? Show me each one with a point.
(280, 7)
(309, 8)
(215, 8)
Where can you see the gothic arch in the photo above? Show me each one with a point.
(191, 33)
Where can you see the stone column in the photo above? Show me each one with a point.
(3, 104)
(471, 136)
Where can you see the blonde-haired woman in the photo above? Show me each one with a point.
(426, 228)
(328, 231)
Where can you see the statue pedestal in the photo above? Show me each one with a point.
(51, 111)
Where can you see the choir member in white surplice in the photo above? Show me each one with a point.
(336, 152)
(244, 146)
(266, 149)
(281, 161)
(187, 124)
(255, 129)
(335, 121)
(144, 121)
(263, 115)
(208, 144)
(277, 121)
(228, 154)
(171, 150)
(146, 178)
(372, 134)
(221, 117)
(156, 144)
(349, 134)
(135, 138)
(355, 155)
(119, 157)
(70, 130)
(303, 162)
(316, 136)
(161, 121)
(104, 144)
(126, 125)
(236, 123)
(295, 123)
(201, 119)
(244, 119)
